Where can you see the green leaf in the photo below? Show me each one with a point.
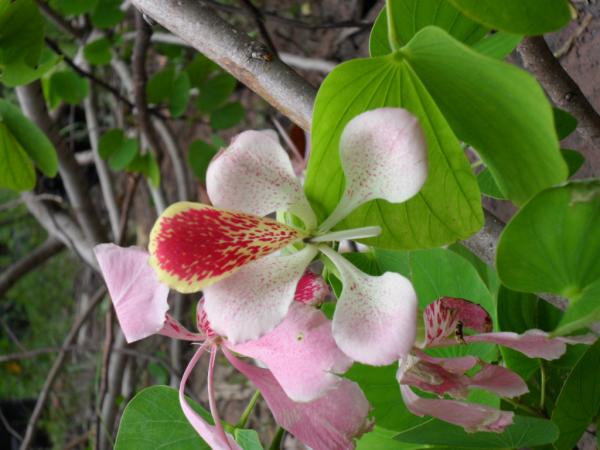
(110, 142)
(564, 123)
(579, 401)
(215, 92)
(499, 109)
(21, 38)
(227, 116)
(531, 17)
(382, 439)
(582, 312)
(120, 151)
(16, 170)
(524, 432)
(552, 245)
(20, 73)
(199, 69)
(486, 272)
(160, 85)
(124, 155)
(488, 185)
(248, 439)
(180, 94)
(147, 165)
(98, 52)
(73, 7)
(30, 137)
(413, 15)
(574, 160)
(199, 155)
(448, 207)
(153, 420)
(107, 14)
(498, 45)
(66, 85)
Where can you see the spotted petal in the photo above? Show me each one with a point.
(312, 289)
(330, 422)
(256, 298)
(375, 317)
(300, 353)
(472, 417)
(254, 174)
(140, 300)
(384, 156)
(194, 245)
(533, 343)
(174, 329)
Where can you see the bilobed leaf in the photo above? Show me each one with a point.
(98, 52)
(107, 14)
(497, 108)
(488, 185)
(531, 17)
(160, 85)
(498, 45)
(553, 245)
(564, 123)
(66, 85)
(16, 170)
(446, 209)
(579, 401)
(227, 116)
(524, 432)
(30, 138)
(215, 92)
(382, 439)
(582, 312)
(153, 420)
(180, 94)
(199, 155)
(413, 15)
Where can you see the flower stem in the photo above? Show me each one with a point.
(391, 25)
(276, 442)
(246, 414)
(543, 386)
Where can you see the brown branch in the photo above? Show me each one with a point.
(259, 20)
(274, 81)
(56, 368)
(32, 260)
(560, 87)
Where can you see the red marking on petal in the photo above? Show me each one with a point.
(194, 245)
(311, 290)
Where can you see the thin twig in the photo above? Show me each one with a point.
(566, 47)
(259, 20)
(59, 20)
(10, 429)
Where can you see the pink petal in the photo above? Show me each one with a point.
(458, 364)
(375, 317)
(255, 175)
(472, 417)
(443, 315)
(330, 422)
(213, 436)
(173, 329)
(533, 343)
(499, 380)
(140, 300)
(194, 245)
(256, 298)
(312, 289)
(300, 353)
(432, 377)
(384, 156)
(202, 321)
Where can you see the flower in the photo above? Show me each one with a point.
(248, 266)
(299, 383)
(445, 321)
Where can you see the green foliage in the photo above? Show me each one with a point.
(16, 169)
(215, 91)
(531, 17)
(247, 439)
(21, 40)
(119, 150)
(199, 156)
(147, 165)
(552, 245)
(73, 7)
(448, 207)
(564, 122)
(67, 86)
(98, 52)
(35, 143)
(107, 13)
(498, 45)
(227, 116)
(180, 95)
(199, 69)
(160, 85)
(579, 402)
(158, 405)
(167, 85)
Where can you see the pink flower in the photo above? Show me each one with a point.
(445, 322)
(299, 383)
(249, 266)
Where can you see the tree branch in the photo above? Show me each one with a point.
(277, 83)
(37, 257)
(560, 87)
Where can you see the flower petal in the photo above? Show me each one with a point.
(432, 377)
(140, 300)
(443, 315)
(532, 343)
(214, 437)
(330, 422)
(384, 156)
(255, 175)
(256, 298)
(301, 354)
(312, 289)
(499, 380)
(472, 417)
(173, 329)
(375, 317)
(194, 245)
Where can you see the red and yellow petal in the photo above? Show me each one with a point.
(194, 245)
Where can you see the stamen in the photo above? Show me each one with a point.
(355, 233)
